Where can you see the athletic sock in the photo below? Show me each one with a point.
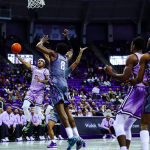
(75, 132)
(53, 141)
(144, 135)
(26, 112)
(69, 132)
(123, 148)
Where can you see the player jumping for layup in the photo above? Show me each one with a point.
(59, 87)
(130, 109)
(55, 118)
(145, 117)
(36, 92)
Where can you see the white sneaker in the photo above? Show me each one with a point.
(113, 136)
(31, 138)
(104, 137)
(21, 138)
(28, 139)
(7, 140)
(48, 138)
(3, 140)
(43, 138)
(60, 137)
(55, 138)
(40, 137)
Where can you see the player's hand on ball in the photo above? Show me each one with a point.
(66, 33)
(108, 69)
(45, 39)
(82, 49)
(38, 80)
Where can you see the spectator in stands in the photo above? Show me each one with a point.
(23, 88)
(94, 96)
(85, 73)
(95, 79)
(11, 126)
(18, 80)
(90, 101)
(83, 102)
(15, 112)
(123, 93)
(84, 82)
(83, 89)
(70, 111)
(76, 96)
(117, 92)
(96, 90)
(89, 81)
(6, 89)
(107, 105)
(12, 96)
(21, 121)
(18, 97)
(120, 99)
(113, 98)
(9, 100)
(117, 102)
(82, 95)
(2, 99)
(84, 113)
(102, 78)
(19, 87)
(93, 106)
(96, 64)
(90, 71)
(77, 73)
(89, 95)
(80, 106)
(93, 113)
(104, 108)
(74, 109)
(108, 98)
(100, 112)
(100, 82)
(107, 127)
(107, 83)
(79, 113)
(111, 108)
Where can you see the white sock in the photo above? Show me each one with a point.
(38, 112)
(144, 135)
(25, 107)
(53, 141)
(75, 132)
(69, 132)
(123, 148)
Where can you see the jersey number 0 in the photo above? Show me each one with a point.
(62, 65)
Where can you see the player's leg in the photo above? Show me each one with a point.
(50, 129)
(119, 129)
(127, 128)
(144, 134)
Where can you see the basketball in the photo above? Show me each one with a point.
(16, 48)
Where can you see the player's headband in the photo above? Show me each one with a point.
(42, 60)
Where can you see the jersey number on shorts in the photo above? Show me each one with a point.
(62, 65)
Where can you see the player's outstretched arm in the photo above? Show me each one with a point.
(70, 52)
(144, 59)
(24, 62)
(127, 70)
(43, 49)
(75, 64)
(43, 81)
(47, 59)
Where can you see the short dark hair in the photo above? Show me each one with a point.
(61, 48)
(139, 43)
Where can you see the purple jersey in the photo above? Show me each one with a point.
(40, 73)
(135, 71)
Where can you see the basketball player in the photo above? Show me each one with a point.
(145, 116)
(40, 76)
(54, 117)
(59, 87)
(130, 108)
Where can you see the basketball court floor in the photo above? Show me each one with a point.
(91, 144)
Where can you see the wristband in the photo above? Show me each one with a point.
(40, 43)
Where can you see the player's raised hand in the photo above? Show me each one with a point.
(66, 32)
(45, 39)
(38, 80)
(108, 69)
(82, 49)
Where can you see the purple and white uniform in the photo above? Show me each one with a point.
(132, 104)
(146, 104)
(36, 92)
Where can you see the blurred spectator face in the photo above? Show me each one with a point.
(113, 96)
(90, 100)
(108, 117)
(110, 89)
(122, 84)
(70, 111)
(45, 97)
(106, 80)
(81, 93)
(32, 111)
(71, 100)
(119, 96)
(95, 75)
(16, 111)
(8, 110)
(89, 94)
(93, 103)
(93, 112)
(107, 96)
(117, 89)
(111, 108)
(79, 111)
(100, 109)
(97, 86)
(83, 102)
(6, 87)
(106, 103)
(122, 90)
(84, 112)
(76, 94)
(73, 91)
(82, 87)
(1, 110)
(20, 112)
(108, 111)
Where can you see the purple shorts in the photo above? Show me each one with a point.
(133, 102)
(35, 97)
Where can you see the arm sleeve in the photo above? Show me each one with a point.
(47, 112)
(46, 73)
(67, 72)
(4, 121)
(32, 67)
(103, 124)
(112, 122)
